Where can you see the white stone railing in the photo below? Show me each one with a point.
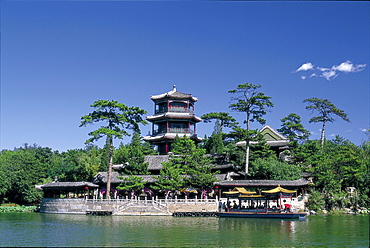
(154, 201)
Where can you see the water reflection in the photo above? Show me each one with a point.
(166, 231)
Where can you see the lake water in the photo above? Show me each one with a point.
(40, 230)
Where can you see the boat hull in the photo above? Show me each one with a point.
(262, 215)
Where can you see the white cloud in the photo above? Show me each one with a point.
(314, 133)
(330, 73)
(347, 67)
(322, 68)
(363, 129)
(305, 67)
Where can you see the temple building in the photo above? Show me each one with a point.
(173, 116)
(277, 142)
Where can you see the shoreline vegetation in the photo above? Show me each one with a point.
(12, 208)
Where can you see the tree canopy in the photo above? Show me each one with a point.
(254, 104)
(118, 119)
(326, 112)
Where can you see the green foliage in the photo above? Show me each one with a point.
(188, 167)
(252, 102)
(78, 164)
(337, 165)
(118, 118)
(133, 156)
(316, 201)
(215, 144)
(326, 110)
(292, 128)
(273, 169)
(222, 119)
(170, 178)
(131, 183)
(21, 170)
(5, 208)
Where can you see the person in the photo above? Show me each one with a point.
(235, 205)
(219, 206)
(287, 208)
(223, 208)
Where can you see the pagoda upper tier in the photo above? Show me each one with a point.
(173, 116)
(174, 104)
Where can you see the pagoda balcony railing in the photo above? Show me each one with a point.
(173, 130)
(175, 110)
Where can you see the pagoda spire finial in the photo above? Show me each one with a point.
(174, 88)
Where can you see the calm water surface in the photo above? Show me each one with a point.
(40, 230)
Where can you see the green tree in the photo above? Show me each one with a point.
(21, 170)
(171, 177)
(118, 118)
(326, 112)
(131, 183)
(136, 161)
(214, 144)
(133, 155)
(188, 167)
(196, 165)
(273, 169)
(254, 104)
(292, 128)
(223, 118)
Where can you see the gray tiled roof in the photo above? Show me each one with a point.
(155, 161)
(174, 94)
(101, 178)
(68, 185)
(264, 183)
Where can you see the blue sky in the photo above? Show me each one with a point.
(58, 57)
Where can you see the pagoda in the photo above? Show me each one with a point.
(173, 116)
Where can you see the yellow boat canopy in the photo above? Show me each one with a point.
(188, 190)
(239, 190)
(252, 197)
(279, 189)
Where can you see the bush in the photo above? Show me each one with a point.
(4, 209)
(316, 201)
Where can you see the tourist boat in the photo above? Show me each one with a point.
(257, 214)
(262, 209)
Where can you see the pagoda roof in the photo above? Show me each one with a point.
(171, 136)
(174, 94)
(175, 115)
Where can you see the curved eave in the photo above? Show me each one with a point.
(174, 94)
(166, 96)
(171, 136)
(272, 143)
(169, 115)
